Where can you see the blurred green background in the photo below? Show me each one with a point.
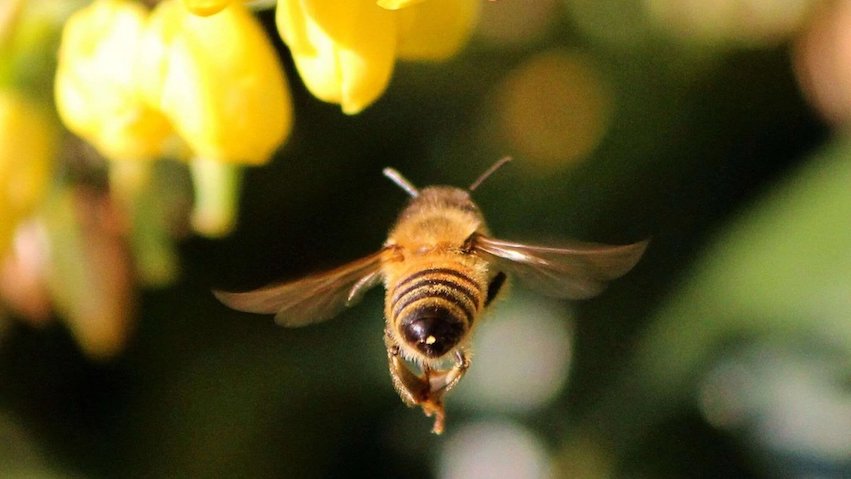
(725, 353)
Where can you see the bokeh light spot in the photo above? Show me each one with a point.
(748, 22)
(491, 449)
(516, 23)
(789, 398)
(619, 24)
(521, 358)
(554, 108)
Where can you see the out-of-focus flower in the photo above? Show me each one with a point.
(218, 79)
(90, 276)
(99, 98)
(435, 30)
(68, 251)
(10, 12)
(142, 84)
(397, 4)
(205, 7)
(97, 92)
(22, 274)
(345, 50)
(27, 142)
(29, 31)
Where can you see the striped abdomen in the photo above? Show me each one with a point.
(434, 308)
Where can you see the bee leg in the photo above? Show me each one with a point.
(434, 407)
(413, 389)
(417, 391)
(440, 382)
(448, 380)
(462, 364)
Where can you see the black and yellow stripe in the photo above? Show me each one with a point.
(435, 306)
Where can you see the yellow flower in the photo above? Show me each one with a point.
(96, 85)
(143, 84)
(220, 82)
(345, 50)
(435, 30)
(205, 7)
(397, 4)
(218, 79)
(89, 273)
(27, 142)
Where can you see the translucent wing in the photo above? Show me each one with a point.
(576, 271)
(312, 299)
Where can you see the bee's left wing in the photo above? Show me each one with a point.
(577, 270)
(311, 299)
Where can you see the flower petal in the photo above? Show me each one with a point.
(89, 274)
(344, 50)
(27, 146)
(397, 4)
(436, 29)
(205, 7)
(219, 80)
(95, 86)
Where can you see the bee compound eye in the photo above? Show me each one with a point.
(433, 331)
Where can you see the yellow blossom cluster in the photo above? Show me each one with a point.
(141, 84)
(137, 81)
(200, 80)
(345, 50)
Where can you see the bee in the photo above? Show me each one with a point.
(441, 269)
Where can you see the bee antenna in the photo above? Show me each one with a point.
(401, 181)
(488, 172)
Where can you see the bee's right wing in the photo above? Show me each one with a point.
(312, 299)
(576, 270)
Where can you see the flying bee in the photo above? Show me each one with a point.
(441, 269)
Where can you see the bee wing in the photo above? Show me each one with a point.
(312, 299)
(578, 270)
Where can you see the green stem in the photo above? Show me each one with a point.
(217, 187)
